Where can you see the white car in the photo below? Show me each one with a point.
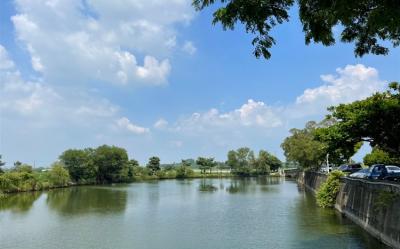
(393, 169)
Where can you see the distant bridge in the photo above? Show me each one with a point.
(291, 172)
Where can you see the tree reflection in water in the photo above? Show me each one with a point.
(85, 200)
(20, 202)
(253, 184)
(207, 186)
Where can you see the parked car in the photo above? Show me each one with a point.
(364, 173)
(350, 168)
(393, 169)
(384, 172)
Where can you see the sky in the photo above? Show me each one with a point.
(157, 78)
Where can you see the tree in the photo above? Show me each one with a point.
(232, 161)
(242, 161)
(59, 176)
(366, 22)
(23, 167)
(184, 169)
(1, 165)
(263, 166)
(80, 165)
(378, 156)
(206, 164)
(17, 164)
(111, 162)
(375, 120)
(154, 164)
(302, 148)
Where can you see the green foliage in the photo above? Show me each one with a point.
(375, 120)
(58, 175)
(326, 194)
(244, 163)
(302, 148)
(110, 162)
(21, 167)
(21, 181)
(154, 164)
(184, 170)
(378, 156)
(80, 165)
(1, 164)
(366, 23)
(206, 164)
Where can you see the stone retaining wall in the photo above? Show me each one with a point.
(374, 205)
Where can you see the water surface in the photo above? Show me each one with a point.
(250, 213)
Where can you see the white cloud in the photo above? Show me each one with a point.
(188, 47)
(251, 114)
(5, 62)
(353, 82)
(256, 123)
(79, 41)
(160, 124)
(125, 124)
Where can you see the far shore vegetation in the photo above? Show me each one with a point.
(110, 164)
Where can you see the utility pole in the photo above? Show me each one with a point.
(327, 162)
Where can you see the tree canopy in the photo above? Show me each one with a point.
(243, 162)
(367, 23)
(206, 163)
(302, 147)
(375, 120)
(154, 164)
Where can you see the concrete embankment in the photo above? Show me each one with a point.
(374, 205)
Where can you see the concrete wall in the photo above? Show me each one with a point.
(311, 180)
(374, 205)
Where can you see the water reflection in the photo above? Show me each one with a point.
(207, 186)
(252, 185)
(319, 226)
(19, 203)
(85, 200)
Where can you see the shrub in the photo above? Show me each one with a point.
(326, 195)
(58, 175)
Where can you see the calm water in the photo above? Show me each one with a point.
(254, 213)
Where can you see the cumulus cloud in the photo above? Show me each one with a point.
(125, 124)
(79, 41)
(188, 47)
(256, 120)
(353, 82)
(251, 114)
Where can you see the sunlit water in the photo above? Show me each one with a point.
(251, 213)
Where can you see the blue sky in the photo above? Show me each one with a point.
(158, 79)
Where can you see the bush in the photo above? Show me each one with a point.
(183, 172)
(326, 195)
(58, 175)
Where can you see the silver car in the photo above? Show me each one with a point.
(363, 173)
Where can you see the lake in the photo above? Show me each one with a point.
(250, 213)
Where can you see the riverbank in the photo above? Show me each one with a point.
(17, 182)
(39, 181)
(374, 206)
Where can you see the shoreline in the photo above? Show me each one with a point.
(146, 179)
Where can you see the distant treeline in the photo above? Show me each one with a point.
(111, 164)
